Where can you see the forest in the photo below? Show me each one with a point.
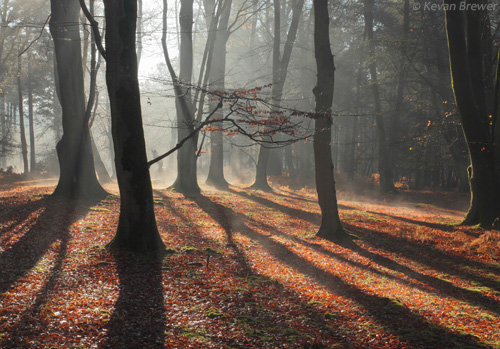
(249, 174)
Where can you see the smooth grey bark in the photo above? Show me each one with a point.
(30, 118)
(186, 180)
(137, 228)
(331, 227)
(77, 172)
(217, 82)
(24, 146)
(280, 70)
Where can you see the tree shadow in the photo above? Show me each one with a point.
(138, 319)
(429, 256)
(14, 214)
(425, 254)
(397, 317)
(50, 227)
(251, 303)
(311, 217)
(438, 226)
(213, 211)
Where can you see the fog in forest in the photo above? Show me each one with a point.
(394, 119)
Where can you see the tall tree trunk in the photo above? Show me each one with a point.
(30, 119)
(280, 70)
(77, 172)
(137, 228)
(217, 82)
(92, 103)
(465, 63)
(331, 228)
(385, 171)
(394, 137)
(186, 181)
(24, 146)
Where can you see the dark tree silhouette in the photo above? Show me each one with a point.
(137, 228)
(77, 172)
(330, 228)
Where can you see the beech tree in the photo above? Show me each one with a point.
(217, 78)
(467, 33)
(280, 70)
(331, 227)
(137, 228)
(384, 165)
(77, 172)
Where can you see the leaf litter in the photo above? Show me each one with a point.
(244, 270)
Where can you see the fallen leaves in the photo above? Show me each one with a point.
(244, 270)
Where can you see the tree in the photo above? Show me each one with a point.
(137, 228)
(467, 52)
(216, 79)
(186, 181)
(280, 70)
(384, 167)
(77, 172)
(24, 148)
(331, 227)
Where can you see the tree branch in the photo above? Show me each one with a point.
(95, 28)
(189, 136)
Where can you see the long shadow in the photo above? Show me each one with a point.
(439, 226)
(399, 319)
(251, 302)
(52, 225)
(13, 214)
(138, 319)
(24, 328)
(442, 287)
(426, 255)
(429, 256)
(291, 195)
(213, 212)
(312, 217)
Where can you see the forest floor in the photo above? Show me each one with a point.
(409, 279)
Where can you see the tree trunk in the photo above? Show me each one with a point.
(465, 62)
(30, 119)
(217, 82)
(137, 228)
(24, 146)
(280, 69)
(394, 137)
(77, 172)
(385, 171)
(186, 181)
(331, 228)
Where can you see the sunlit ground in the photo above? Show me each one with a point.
(245, 270)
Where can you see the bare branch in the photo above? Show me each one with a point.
(95, 28)
(192, 134)
(36, 39)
